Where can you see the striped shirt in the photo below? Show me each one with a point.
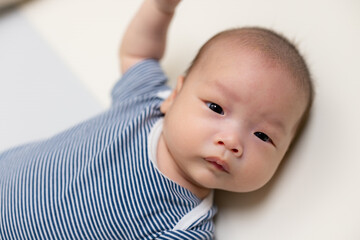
(98, 180)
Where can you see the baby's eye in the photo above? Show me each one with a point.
(263, 137)
(216, 108)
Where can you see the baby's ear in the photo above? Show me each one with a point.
(165, 106)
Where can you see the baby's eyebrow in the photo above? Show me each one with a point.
(278, 124)
(227, 91)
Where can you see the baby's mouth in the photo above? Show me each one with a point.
(218, 163)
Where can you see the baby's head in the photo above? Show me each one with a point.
(232, 117)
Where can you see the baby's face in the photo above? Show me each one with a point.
(229, 124)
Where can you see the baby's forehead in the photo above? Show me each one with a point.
(247, 60)
(238, 60)
(228, 49)
(244, 68)
(225, 49)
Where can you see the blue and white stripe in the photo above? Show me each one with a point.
(95, 180)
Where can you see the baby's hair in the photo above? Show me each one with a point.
(272, 46)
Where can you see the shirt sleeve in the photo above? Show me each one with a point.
(145, 77)
(199, 230)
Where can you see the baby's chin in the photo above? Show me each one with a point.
(245, 188)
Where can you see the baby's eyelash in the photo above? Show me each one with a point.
(215, 107)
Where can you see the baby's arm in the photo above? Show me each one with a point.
(145, 36)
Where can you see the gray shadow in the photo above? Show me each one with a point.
(39, 94)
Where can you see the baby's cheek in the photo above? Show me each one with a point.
(178, 135)
(254, 171)
(187, 135)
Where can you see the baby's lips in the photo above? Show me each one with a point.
(219, 162)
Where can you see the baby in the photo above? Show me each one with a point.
(147, 167)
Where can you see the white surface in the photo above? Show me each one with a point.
(316, 194)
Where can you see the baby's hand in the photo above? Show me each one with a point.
(167, 6)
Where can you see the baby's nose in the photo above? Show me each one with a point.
(232, 145)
